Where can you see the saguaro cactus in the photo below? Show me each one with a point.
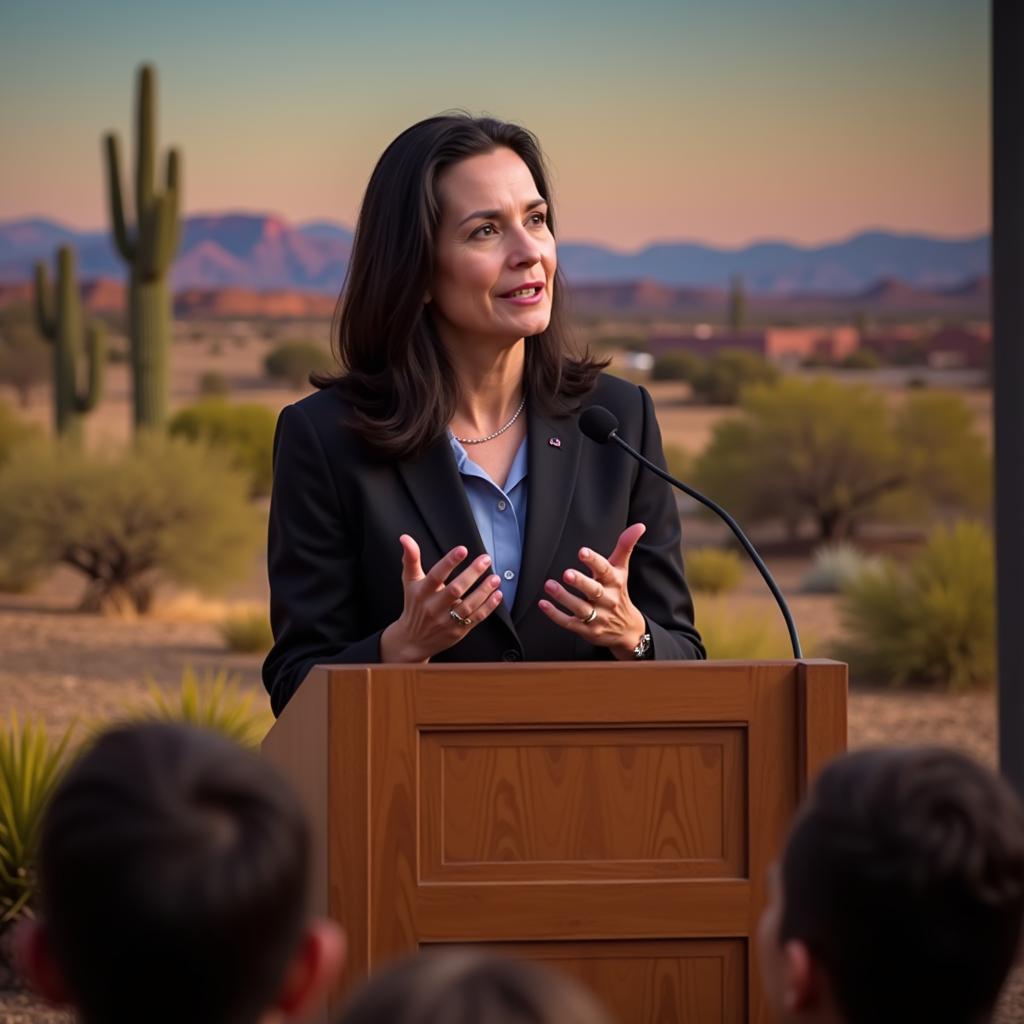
(148, 251)
(59, 319)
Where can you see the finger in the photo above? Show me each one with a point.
(556, 615)
(412, 569)
(576, 605)
(462, 583)
(588, 587)
(627, 541)
(599, 566)
(482, 601)
(443, 567)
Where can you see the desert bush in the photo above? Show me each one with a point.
(678, 365)
(861, 359)
(834, 566)
(25, 361)
(294, 361)
(721, 380)
(836, 455)
(247, 631)
(932, 623)
(164, 509)
(713, 570)
(31, 764)
(214, 701)
(213, 384)
(244, 432)
(729, 634)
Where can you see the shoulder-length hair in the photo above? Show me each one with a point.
(400, 385)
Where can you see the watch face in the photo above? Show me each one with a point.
(643, 647)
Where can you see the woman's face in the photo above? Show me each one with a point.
(494, 261)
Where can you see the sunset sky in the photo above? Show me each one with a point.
(720, 122)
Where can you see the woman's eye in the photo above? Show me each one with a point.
(539, 218)
(484, 231)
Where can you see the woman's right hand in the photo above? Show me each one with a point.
(426, 626)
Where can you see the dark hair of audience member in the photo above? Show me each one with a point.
(464, 986)
(173, 874)
(904, 876)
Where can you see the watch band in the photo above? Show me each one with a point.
(643, 648)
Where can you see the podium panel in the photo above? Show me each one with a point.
(615, 821)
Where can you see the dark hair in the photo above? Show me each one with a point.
(466, 986)
(904, 875)
(173, 871)
(397, 378)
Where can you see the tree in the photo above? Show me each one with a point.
(164, 509)
(721, 380)
(24, 361)
(834, 454)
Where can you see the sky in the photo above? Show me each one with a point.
(723, 122)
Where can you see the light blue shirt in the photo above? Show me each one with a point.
(500, 515)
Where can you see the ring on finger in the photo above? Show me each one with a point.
(590, 618)
(456, 617)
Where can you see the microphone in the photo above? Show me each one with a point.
(601, 426)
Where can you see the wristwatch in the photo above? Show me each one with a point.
(643, 649)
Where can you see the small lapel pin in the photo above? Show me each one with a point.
(555, 442)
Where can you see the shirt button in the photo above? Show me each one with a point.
(501, 506)
(509, 574)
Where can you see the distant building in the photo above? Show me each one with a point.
(779, 344)
(959, 348)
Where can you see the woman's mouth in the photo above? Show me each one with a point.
(525, 296)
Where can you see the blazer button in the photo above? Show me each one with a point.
(511, 655)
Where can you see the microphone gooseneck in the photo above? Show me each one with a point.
(601, 426)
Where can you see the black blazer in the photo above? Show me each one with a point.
(336, 513)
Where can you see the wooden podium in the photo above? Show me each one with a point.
(613, 820)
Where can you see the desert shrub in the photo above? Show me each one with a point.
(164, 509)
(213, 384)
(679, 461)
(244, 432)
(933, 623)
(294, 361)
(721, 380)
(713, 570)
(677, 365)
(626, 342)
(14, 432)
(834, 566)
(730, 634)
(31, 764)
(247, 631)
(25, 361)
(214, 701)
(861, 359)
(836, 455)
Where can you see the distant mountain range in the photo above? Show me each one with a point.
(266, 253)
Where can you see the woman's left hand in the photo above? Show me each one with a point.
(618, 624)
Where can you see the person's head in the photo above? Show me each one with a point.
(900, 893)
(458, 216)
(466, 986)
(173, 870)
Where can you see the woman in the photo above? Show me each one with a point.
(436, 500)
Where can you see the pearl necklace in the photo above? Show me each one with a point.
(497, 433)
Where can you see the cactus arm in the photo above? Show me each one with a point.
(96, 342)
(46, 320)
(116, 199)
(145, 144)
(174, 191)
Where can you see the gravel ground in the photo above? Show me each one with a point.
(62, 666)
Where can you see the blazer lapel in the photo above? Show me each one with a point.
(553, 453)
(436, 488)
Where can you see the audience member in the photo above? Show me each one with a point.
(465, 986)
(173, 872)
(900, 894)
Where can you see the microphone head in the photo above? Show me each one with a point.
(598, 424)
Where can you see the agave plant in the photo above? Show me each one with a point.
(216, 701)
(31, 764)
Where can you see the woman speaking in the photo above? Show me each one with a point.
(436, 500)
